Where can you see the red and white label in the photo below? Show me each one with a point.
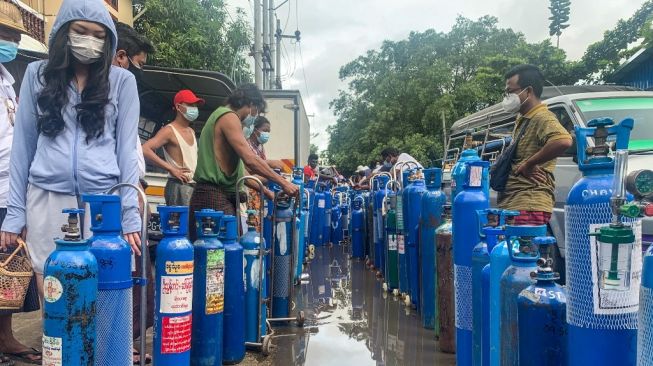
(400, 244)
(175, 334)
(176, 294)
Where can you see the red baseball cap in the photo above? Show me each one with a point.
(188, 97)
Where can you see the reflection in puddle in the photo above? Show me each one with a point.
(350, 320)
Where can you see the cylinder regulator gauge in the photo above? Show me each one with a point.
(640, 183)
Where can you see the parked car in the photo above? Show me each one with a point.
(573, 106)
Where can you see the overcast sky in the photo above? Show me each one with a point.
(335, 32)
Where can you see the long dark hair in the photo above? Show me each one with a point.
(56, 77)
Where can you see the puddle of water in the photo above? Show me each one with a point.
(351, 321)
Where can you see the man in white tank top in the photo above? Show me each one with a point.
(179, 149)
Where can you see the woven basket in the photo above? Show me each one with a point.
(15, 275)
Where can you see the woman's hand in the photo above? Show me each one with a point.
(9, 239)
(134, 240)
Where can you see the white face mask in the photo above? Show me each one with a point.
(86, 49)
(511, 102)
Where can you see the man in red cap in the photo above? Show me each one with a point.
(179, 149)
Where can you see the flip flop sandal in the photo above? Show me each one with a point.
(148, 358)
(23, 356)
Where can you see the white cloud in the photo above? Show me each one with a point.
(335, 32)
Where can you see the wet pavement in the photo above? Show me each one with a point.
(350, 320)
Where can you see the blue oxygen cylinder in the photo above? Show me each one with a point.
(70, 288)
(317, 221)
(208, 290)
(358, 228)
(308, 213)
(391, 257)
(459, 171)
(402, 233)
(282, 270)
(234, 294)
(431, 213)
(379, 225)
(255, 280)
(300, 221)
(173, 295)
(465, 208)
(345, 209)
(485, 312)
(542, 315)
(326, 224)
(302, 233)
(488, 220)
(369, 226)
(114, 301)
(645, 330)
(499, 262)
(602, 320)
(336, 214)
(515, 279)
(415, 192)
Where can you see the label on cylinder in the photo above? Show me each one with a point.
(176, 334)
(52, 354)
(176, 294)
(617, 300)
(214, 281)
(52, 289)
(392, 242)
(400, 244)
(321, 203)
(179, 267)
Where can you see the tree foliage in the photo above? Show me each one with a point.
(196, 34)
(400, 94)
(559, 17)
(602, 58)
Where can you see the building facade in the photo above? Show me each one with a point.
(637, 71)
(38, 15)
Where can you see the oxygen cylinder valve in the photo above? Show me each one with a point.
(251, 217)
(73, 233)
(601, 134)
(545, 262)
(173, 221)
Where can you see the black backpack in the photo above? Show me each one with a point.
(500, 170)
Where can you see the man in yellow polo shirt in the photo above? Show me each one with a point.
(531, 185)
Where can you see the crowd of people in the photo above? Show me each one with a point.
(75, 131)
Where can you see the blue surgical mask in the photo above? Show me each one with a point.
(387, 164)
(263, 137)
(247, 131)
(191, 113)
(249, 121)
(8, 51)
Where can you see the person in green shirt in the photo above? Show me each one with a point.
(531, 185)
(224, 152)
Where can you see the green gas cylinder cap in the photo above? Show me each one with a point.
(615, 234)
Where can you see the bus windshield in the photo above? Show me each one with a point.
(638, 108)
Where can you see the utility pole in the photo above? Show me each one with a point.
(266, 28)
(277, 70)
(271, 43)
(280, 36)
(258, 53)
